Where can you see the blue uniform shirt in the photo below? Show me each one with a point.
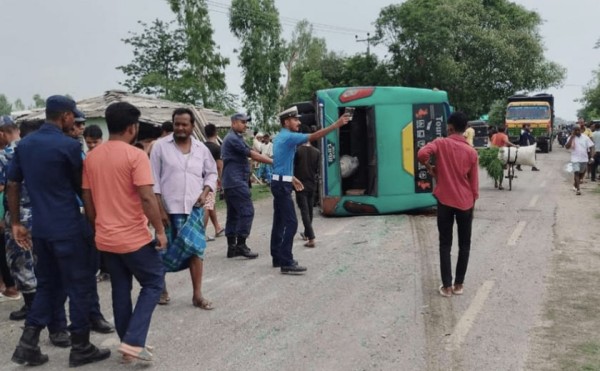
(51, 164)
(284, 150)
(236, 167)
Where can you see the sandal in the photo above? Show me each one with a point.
(456, 291)
(164, 298)
(220, 233)
(444, 293)
(203, 304)
(310, 244)
(130, 353)
(303, 236)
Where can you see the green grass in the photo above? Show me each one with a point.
(259, 192)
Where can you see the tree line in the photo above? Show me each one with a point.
(591, 96)
(479, 51)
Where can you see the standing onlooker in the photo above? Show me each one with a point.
(526, 139)
(582, 153)
(469, 135)
(265, 171)
(119, 200)
(236, 186)
(209, 206)
(306, 166)
(285, 223)
(92, 135)
(9, 132)
(596, 140)
(50, 163)
(184, 174)
(456, 189)
(500, 139)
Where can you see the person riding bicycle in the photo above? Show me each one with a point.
(500, 139)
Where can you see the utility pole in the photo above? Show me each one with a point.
(369, 40)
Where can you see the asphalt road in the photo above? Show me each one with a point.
(369, 300)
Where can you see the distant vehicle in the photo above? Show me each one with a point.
(538, 112)
(481, 139)
(370, 165)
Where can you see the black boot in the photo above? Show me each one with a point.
(28, 352)
(21, 314)
(244, 250)
(60, 339)
(84, 352)
(231, 246)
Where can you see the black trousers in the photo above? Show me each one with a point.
(305, 201)
(595, 165)
(4, 269)
(445, 221)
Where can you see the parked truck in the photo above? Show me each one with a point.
(538, 112)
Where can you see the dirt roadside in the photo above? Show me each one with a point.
(567, 337)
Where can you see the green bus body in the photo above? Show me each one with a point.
(389, 125)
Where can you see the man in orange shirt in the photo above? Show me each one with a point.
(119, 200)
(500, 139)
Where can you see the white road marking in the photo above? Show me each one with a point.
(466, 321)
(533, 201)
(543, 184)
(512, 241)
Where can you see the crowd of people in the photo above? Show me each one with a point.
(125, 210)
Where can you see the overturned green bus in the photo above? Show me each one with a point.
(370, 165)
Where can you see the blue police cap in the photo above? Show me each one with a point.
(60, 103)
(6, 120)
(241, 116)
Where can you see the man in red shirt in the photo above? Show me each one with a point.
(456, 189)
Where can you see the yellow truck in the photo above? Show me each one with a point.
(538, 112)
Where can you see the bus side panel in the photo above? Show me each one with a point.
(328, 114)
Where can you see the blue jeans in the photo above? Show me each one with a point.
(240, 211)
(285, 223)
(265, 172)
(63, 266)
(146, 266)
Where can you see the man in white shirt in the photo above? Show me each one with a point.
(582, 153)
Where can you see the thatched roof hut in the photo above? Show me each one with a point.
(154, 112)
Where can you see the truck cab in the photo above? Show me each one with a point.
(537, 111)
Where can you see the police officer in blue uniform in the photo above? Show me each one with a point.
(285, 222)
(51, 165)
(235, 181)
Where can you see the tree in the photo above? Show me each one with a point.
(206, 65)
(256, 24)
(159, 66)
(478, 51)
(303, 48)
(18, 105)
(334, 70)
(38, 101)
(497, 113)
(591, 99)
(5, 105)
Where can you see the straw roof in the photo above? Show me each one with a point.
(154, 111)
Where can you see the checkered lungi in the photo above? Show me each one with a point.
(186, 239)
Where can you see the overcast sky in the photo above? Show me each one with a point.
(73, 46)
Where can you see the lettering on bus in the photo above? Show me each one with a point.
(429, 123)
(330, 152)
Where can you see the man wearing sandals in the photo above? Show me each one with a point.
(582, 154)
(119, 200)
(456, 189)
(184, 174)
